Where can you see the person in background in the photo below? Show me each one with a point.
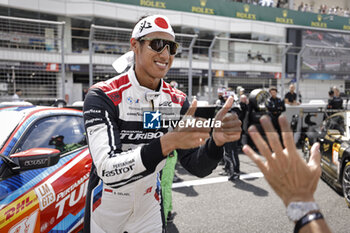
(275, 107)
(293, 180)
(240, 91)
(167, 177)
(219, 103)
(175, 178)
(268, 3)
(301, 7)
(243, 117)
(336, 102)
(17, 95)
(85, 91)
(291, 97)
(174, 84)
(58, 142)
(330, 94)
(260, 57)
(249, 55)
(279, 4)
(231, 149)
(221, 100)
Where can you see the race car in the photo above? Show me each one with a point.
(44, 169)
(334, 138)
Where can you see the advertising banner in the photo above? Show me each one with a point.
(246, 11)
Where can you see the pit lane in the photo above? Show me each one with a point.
(214, 204)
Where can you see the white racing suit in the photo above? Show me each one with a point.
(124, 188)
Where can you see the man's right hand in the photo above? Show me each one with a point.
(185, 137)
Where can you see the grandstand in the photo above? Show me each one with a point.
(50, 48)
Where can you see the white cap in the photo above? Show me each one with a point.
(153, 23)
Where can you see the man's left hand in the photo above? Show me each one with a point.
(230, 129)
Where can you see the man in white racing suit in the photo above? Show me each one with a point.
(128, 146)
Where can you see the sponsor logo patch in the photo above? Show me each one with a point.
(118, 171)
(17, 208)
(46, 195)
(166, 103)
(27, 225)
(131, 100)
(137, 136)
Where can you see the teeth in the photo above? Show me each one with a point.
(161, 64)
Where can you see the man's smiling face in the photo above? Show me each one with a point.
(149, 63)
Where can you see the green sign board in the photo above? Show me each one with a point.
(229, 8)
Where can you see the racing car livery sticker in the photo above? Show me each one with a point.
(27, 225)
(335, 153)
(18, 211)
(45, 194)
(52, 205)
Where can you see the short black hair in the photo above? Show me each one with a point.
(18, 90)
(273, 89)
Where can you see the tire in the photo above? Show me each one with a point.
(346, 183)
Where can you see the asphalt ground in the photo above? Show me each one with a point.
(214, 204)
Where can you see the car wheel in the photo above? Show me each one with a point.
(306, 149)
(346, 183)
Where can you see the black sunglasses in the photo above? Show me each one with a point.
(158, 45)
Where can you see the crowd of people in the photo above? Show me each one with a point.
(258, 57)
(305, 7)
(268, 3)
(324, 9)
(250, 115)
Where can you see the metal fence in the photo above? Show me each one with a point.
(323, 63)
(229, 56)
(31, 58)
(106, 44)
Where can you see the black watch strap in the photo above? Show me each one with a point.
(306, 219)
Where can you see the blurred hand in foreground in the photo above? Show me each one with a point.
(288, 174)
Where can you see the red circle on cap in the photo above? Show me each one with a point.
(160, 22)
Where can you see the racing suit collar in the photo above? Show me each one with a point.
(141, 89)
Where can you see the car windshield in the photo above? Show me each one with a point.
(8, 122)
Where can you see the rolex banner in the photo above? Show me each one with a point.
(229, 8)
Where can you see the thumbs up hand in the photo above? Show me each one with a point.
(184, 137)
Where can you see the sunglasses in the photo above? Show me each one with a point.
(158, 45)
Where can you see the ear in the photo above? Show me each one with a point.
(133, 44)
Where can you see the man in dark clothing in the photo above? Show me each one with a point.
(243, 102)
(275, 106)
(221, 100)
(291, 97)
(336, 102)
(241, 110)
(231, 149)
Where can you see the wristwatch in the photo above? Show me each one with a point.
(296, 210)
